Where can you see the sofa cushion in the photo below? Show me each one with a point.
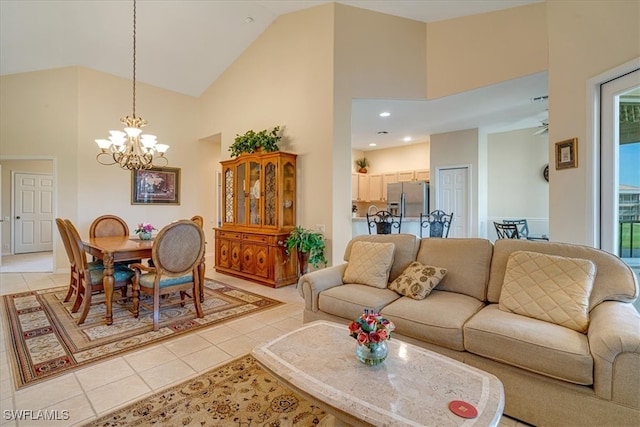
(405, 253)
(417, 280)
(530, 344)
(548, 287)
(437, 319)
(467, 262)
(614, 280)
(369, 264)
(349, 301)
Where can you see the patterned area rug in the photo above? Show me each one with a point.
(44, 339)
(238, 393)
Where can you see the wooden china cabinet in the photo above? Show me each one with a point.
(258, 213)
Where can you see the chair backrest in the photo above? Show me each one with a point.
(75, 241)
(438, 223)
(64, 235)
(108, 225)
(178, 248)
(523, 226)
(198, 220)
(506, 231)
(384, 222)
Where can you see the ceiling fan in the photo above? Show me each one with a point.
(543, 128)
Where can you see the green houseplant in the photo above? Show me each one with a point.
(252, 141)
(362, 164)
(309, 245)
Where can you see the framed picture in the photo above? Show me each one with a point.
(567, 154)
(159, 186)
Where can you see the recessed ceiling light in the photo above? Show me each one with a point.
(406, 139)
(382, 132)
(373, 144)
(248, 20)
(385, 114)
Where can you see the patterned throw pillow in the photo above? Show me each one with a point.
(369, 264)
(551, 288)
(417, 280)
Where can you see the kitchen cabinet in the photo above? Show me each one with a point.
(388, 178)
(258, 201)
(421, 175)
(363, 187)
(405, 176)
(375, 187)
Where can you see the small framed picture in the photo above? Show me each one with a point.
(567, 154)
(155, 186)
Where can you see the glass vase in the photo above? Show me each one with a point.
(144, 235)
(372, 354)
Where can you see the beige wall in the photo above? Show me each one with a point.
(479, 50)
(58, 114)
(302, 73)
(516, 187)
(452, 150)
(284, 78)
(586, 39)
(407, 157)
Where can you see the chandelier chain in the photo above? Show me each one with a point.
(134, 59)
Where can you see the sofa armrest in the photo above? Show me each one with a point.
(311, 284)
(614, 339)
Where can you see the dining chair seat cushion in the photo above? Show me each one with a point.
(120, 274)
(95, 265)
(147, 280)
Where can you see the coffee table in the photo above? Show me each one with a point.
(412, 387)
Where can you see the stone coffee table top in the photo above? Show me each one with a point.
(412, 387)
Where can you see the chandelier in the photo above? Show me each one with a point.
(131, 149)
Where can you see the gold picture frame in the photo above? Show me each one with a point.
(159, 186)
(567, 154)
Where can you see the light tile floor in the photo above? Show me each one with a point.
(101, 388)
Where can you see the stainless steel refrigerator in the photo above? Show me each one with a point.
(408, 199)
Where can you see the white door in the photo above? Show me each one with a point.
(452, 195)
(33, 212)
(620, 173)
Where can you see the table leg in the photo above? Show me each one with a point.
(108, 283)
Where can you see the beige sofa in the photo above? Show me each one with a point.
(552, 375)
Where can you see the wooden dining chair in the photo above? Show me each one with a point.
(89, 281)
(177, 253)
(73, 281)
(199, 220)
(108, 225)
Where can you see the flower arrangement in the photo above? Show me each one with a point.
(370, 329)
(144, 227)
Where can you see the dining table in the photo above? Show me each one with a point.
(114, 249)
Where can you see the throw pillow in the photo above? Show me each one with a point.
(417, 280)
(551, 288)
(369, 264)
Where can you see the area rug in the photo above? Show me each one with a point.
(44, 339)
(238, 393)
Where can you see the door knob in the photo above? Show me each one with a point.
(17, 217)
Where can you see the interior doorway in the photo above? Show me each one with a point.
(24, 164)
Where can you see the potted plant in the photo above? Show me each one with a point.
(362, 164)
(309, 245)
(252, 141)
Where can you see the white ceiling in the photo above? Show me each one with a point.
(184, 45)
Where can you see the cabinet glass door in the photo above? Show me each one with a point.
(228, 195)
(270, 185)
(254, 193)
(288, 194)
(241, 195)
